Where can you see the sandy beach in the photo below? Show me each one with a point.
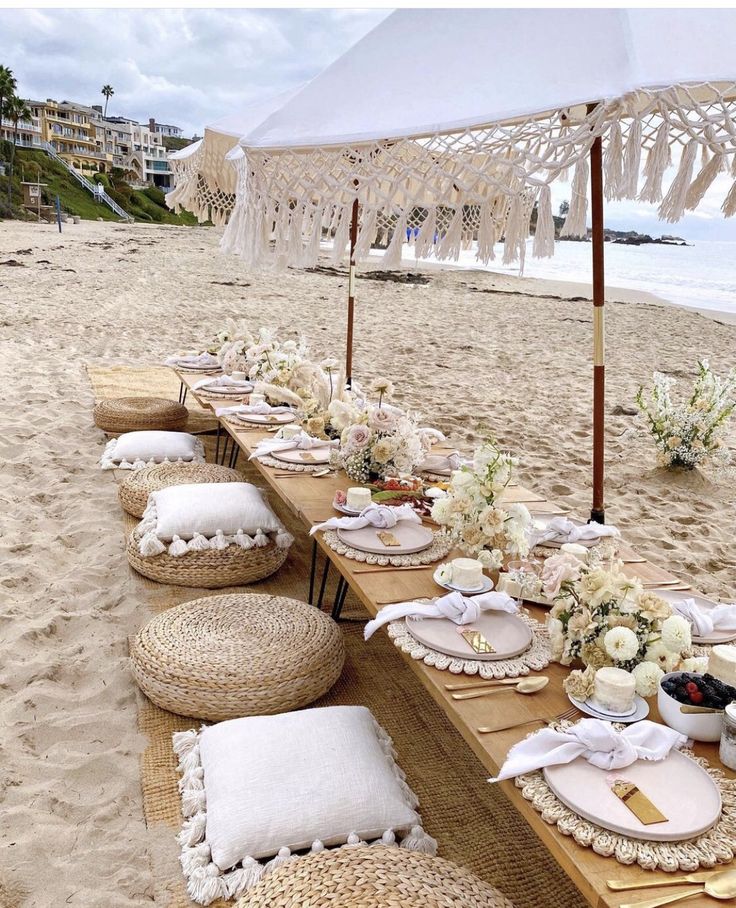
(475, 352)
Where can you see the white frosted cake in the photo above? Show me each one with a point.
(614, 691)
(358, 498)
(722, 663)
(467, 573)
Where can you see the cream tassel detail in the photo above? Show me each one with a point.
(205, 884)
(243, 540)
(425, 241)
(193, 801)
(311, 253)
(576, 220)
(544, 235)
(150, 545)
(729, 203)
(673, 204)
(632, 162)
(260, 539)
(178, 547)
(238, 881)
(703, 180)
(317, 847)
(283, 857)
(449, 245)
(613, 162)
(418, 840)
(367, 234)
(218, 541)
(284, 539)
(193, 830)
(512, 231)
(392, 256)
(341, 236)
(198, 543)
(196, 856)
(184, 742)
(486, 235)
(658, 160)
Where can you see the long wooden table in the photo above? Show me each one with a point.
(310, 500)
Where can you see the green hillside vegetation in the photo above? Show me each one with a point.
(147, 205)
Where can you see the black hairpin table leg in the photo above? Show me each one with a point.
(184, 398)
(234, 456)
(340, 596)
(323, 584)
(217, 449)
(312, 572)
(181, 392)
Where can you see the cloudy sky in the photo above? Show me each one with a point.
(192, 67)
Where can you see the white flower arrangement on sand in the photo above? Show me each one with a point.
(603, 618)
(472, 516)
(689, 433)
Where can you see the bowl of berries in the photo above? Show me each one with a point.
(693, 704)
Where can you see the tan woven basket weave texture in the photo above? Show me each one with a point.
(212, 569)
(372, 877)
(133, 414)
(237, 655)
(134, 490)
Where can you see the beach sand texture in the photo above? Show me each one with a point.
(470, 350)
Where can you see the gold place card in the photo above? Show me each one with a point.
(388, 539)
(308, 457)
(637, 802)
(477, 641)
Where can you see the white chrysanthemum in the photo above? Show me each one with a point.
(658, 653)
(697, 664)
(441, 511)
(621, 644)
(676, 634)
(647, 676)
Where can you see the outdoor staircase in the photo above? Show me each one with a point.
(96, 189)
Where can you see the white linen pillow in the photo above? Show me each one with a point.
(269, 785)
(134, 450)
(204, 508)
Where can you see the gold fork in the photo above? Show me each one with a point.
(568, 714)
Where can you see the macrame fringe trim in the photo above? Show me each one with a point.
(109, 462)
(150, 545)
(206, 882)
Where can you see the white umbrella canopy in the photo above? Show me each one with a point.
(205, 182)
(452, 124)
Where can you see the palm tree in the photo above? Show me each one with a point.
(108, 91)
(8, 85)
(17, 110)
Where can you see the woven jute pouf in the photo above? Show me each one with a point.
(133, 414)
(211, 569)
(134, 490)
(237, 655)
(372, 877)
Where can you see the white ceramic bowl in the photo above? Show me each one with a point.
(699, 727)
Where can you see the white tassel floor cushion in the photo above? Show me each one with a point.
(214, 515)
(266, 786)
(135, 450)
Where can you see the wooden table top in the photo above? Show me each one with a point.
(311, 500)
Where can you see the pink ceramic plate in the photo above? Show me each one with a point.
(317, 455)
(413, 538)
(705, 606)
(677, 786)
(508, 635)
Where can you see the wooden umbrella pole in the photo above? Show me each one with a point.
(597, 513)
(351, 294)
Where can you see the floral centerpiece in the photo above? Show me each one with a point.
(690, 432)
(272, 361)
(470, 511)
(603, 618)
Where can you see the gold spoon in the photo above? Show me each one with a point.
(702, 876)
(493, 683)
(525, 686)
(719, 886)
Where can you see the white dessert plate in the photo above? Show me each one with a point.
(680, 789)
(294, 455)
(705, 606)
(185, 368)
(226, 389)
(413, 537)
(485, 587)
(265, 419)
(640, 710)
(540, 521)
(344, 509)
(507, 634)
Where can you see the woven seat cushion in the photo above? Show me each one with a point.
(237, 655)
(129, 414)
(134, 490)
(376, 877)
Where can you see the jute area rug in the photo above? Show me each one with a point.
(473, 822)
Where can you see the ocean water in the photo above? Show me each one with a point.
(702, 275)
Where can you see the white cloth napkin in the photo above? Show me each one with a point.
(458, 608)
(720, 618)
(435, 462)
(202, 359)
(562, 529)
(380, 516)
(259, 409)
(224, 381)
(301, 442)
(596, 741)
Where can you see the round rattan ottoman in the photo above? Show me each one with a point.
(134, 490)
(211, 569)
(372, 877)
(133, 414)
(237, 655)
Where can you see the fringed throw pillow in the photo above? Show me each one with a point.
(208, 515)
(135, 450)
(259, 790)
